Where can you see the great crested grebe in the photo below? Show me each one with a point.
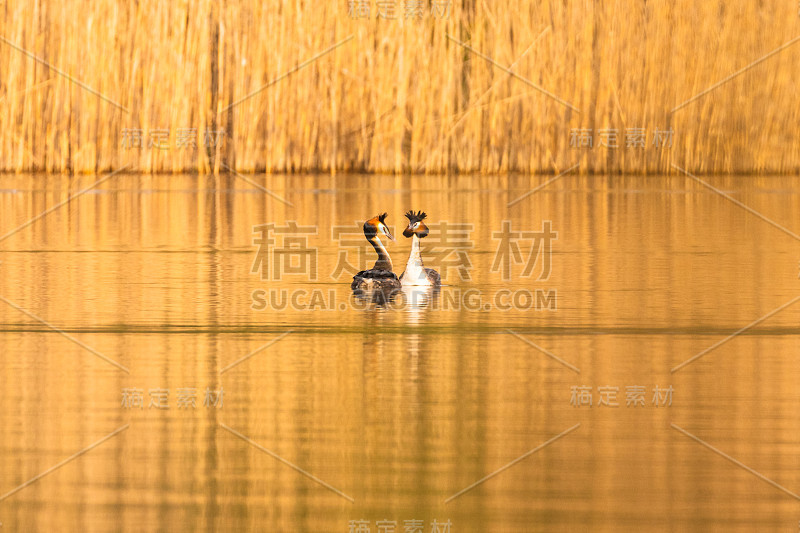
(416, 274)
(379, 276)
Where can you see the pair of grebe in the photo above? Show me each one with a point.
(380, 276)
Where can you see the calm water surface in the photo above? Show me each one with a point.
(335, 410)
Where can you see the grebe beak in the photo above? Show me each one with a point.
(385, 231)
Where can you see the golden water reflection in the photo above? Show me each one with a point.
(401, 405)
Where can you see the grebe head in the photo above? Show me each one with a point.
(376, 226)
(416, 226)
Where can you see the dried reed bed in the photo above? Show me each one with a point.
(400, 96)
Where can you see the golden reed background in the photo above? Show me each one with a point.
(399, 96)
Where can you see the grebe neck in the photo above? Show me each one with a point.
(415, 257)
(384, 262)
